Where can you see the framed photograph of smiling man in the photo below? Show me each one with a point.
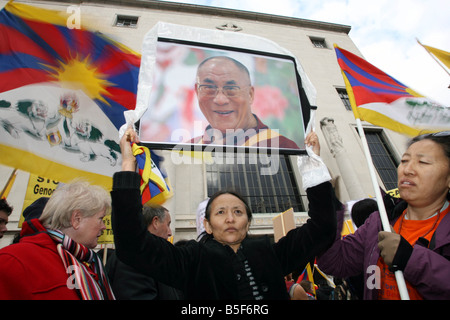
(214, 96)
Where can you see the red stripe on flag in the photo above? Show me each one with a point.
(21, 77)
(13, 41)
(83, 42)
(365, 96)
(125, 98)
(368, 68)
(52, 35)
(113, 61)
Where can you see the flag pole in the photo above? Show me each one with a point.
(5, 192)
(401, 284)
(432, 56)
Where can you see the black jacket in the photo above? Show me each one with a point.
(129, 284)
(204, 270)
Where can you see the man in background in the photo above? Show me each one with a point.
(5, 212)
(129, 284)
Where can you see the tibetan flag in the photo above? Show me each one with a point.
(381, 100)
(441, 55)
(63, 93)
(155, 186)
(307, 274)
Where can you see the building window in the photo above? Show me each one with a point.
(344, 98)
(383, 158)
(126, 21)
(272, 193)
(318, 42)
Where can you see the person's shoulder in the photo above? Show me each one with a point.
(20, 252)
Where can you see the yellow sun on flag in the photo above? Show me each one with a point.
(80, 74)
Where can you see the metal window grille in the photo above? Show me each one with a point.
(344, 98)
(383, 158)
(126, 21)
(318, 42)
(264, 193)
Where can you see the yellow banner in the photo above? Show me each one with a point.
(394, 193)
(30, 162)
(107, 236)
(37, 187)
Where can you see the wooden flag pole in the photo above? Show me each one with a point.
(401, 284)
(8, 185)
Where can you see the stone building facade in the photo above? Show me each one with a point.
(311, 42)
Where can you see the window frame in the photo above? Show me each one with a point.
(318, 42)
(126, 17)
(280, 190)
(343, 95)
(390, 157)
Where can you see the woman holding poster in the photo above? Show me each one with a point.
(227, 264)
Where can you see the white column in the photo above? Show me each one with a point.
(334, 142)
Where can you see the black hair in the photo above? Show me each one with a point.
(232, 192)
(442, 138)
(362, 209)
(4, 206)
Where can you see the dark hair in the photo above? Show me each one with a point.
(442, 138)
(4, 206)
(362, 209)
(232, 192)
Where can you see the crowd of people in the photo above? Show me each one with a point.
(54, 256)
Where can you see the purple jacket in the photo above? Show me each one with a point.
(427, 270)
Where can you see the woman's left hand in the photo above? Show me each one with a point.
(312, 140)
(394, 249)
(128, 159)
(388, 243)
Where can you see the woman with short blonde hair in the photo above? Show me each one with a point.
(54, 258)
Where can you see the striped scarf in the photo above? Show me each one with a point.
(89, 278)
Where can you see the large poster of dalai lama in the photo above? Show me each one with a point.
(220, 96)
